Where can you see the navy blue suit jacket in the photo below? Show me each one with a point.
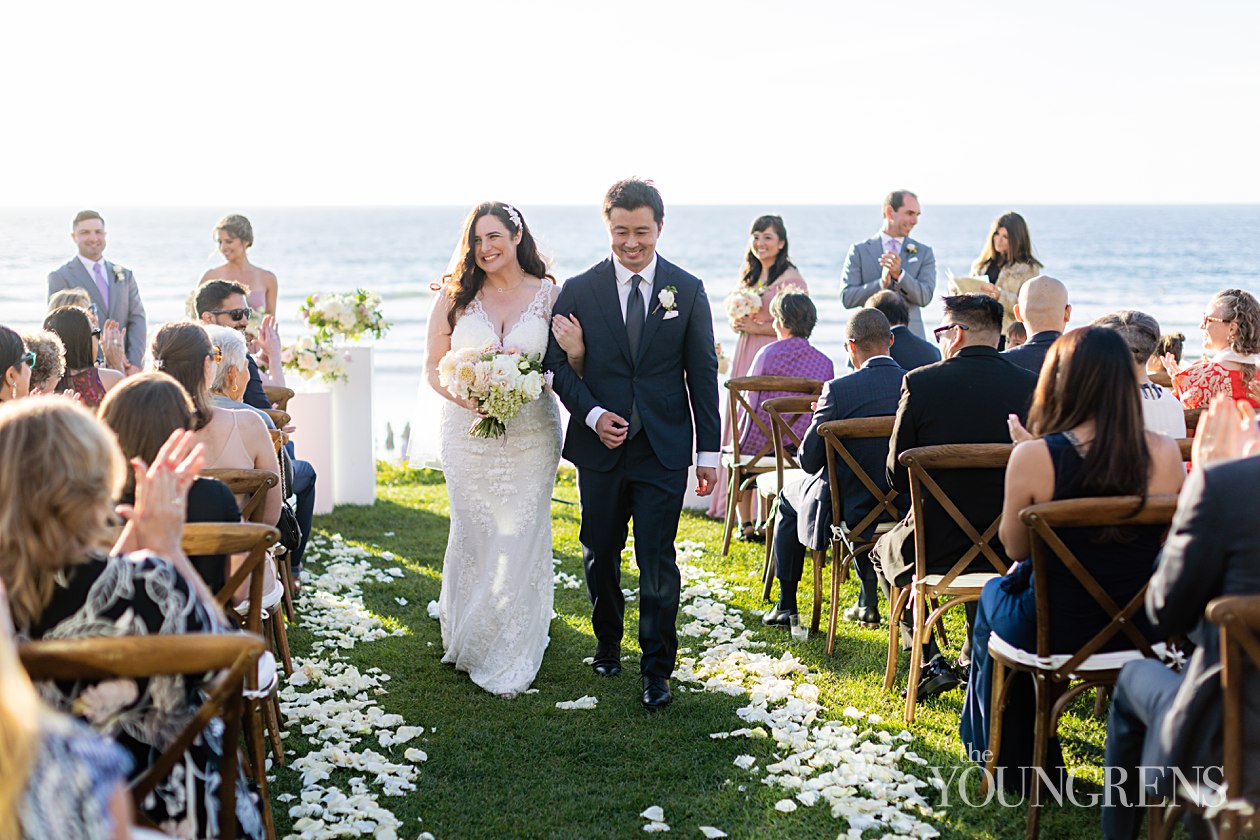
(673, 379)
(1032, 353)
(872, 391)
(910, 351)
(254, 394)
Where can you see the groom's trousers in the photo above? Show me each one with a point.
(638, 486)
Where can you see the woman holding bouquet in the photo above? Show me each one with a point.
(496, 599)
(767, 272)
(1007, 263)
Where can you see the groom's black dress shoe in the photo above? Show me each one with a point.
(656, 693)
(607, 661)
(777, 618)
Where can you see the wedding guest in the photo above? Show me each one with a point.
(794, 317)
(142, 413)
(223, 302)
(1175, 344)
(60, 778)
(892, 260)
(72, 325)
(1085, 438)
(1231, 333)
(1161, 410)
(908, 350)
(767, 271)
(227, 391)
(111, 287)
(1015, 334)
(804, 519)
(1007, 260)
(235, 236)
(1162, 719)
(1044, 310)
(107, 336)
(73, 297)
(16, 361)
(50, 359)
(61, 588)
(234, 440)
(967, 398)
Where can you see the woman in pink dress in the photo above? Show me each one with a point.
(767, 271)
(1231, 338)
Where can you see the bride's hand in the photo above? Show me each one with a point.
(569, 335)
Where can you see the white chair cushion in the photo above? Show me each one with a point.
(971, 580)
(768, 483)
(1109, 661)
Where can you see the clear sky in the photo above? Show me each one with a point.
(420, 102)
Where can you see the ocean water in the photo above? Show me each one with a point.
(1165, 260)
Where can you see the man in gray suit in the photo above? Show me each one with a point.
(892, 260)
(111, 287)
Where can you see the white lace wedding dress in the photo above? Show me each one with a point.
(497, 578)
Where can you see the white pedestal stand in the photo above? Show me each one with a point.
(313, 441)
(353, 452)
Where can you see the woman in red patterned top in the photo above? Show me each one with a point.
(73, 326)
(1231, 337)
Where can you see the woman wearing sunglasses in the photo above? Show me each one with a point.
(1231, 339)
(74, 327)
(15, 364)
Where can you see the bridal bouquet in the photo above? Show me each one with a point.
(501, 382)
(741, 303)
(311, 358)
(350, 315)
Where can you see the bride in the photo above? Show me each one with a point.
(497, 578)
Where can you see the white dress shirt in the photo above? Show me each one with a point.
(885, 239)
(89, 265)
(624, 278)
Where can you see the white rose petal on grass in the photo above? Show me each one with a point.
(655, 827)
(584, 702)
(416, 756)
(434, 612)
(855, 713)
(654, 814)
(711, 832)
(402, 602)
(786, 806)
(743, 762)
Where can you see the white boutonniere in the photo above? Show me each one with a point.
(911, 248)
(120, 274)
(665, 299)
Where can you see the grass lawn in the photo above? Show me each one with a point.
(522, 768)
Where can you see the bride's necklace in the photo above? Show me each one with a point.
(507, 288)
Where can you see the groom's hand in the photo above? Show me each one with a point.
(611, 429)
(706, 480)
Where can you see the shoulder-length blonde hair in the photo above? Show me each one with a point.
(55, 512)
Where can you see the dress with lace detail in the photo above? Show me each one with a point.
(497, 578)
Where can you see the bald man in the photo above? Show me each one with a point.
(1044, 311)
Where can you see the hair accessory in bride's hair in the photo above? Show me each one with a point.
(514, 216)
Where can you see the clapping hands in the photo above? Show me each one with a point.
(155, 521)
(1018, 433)
(892, 269)
(1227, 430)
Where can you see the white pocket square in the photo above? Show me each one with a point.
(913, 259)
(673, 313)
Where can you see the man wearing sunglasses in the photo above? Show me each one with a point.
(964, 399)
(111, 287)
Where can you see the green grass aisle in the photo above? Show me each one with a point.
(524, 768)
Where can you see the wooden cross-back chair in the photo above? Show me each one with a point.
(1237, 618)
(1058, 678)
(252, 483)
(278, 396)
(280, 418)
(847, 542)
(1186, 445)
(957, 585)
(783, 413)
(208, 538)
(744, 467)
(141, 657)
(1192, 420)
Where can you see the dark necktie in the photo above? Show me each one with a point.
(634, 332)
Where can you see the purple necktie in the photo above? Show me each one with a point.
(99, 270)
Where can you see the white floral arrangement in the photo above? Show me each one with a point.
(500, 381)
(741, 303)
(311, 358)
(350, 316)
(723, 361)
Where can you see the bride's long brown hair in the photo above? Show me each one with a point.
(466, 278)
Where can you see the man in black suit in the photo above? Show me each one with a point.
(804, 517)
(650, 368)
(964, 399)
(1161, 718)
(908, 350)
(1044, 311)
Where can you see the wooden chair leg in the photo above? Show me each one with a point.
(939, 629)
(1041, 749)
(896, 605)
(769, 562)
(732, 509)
(286, 580)
(1102, 695)
(997, 704)
(281, 638)
(767, 578)
(837, 551)
(918, 605)
(271, 712)
(818, 557)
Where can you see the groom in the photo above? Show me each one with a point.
(650, 367)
